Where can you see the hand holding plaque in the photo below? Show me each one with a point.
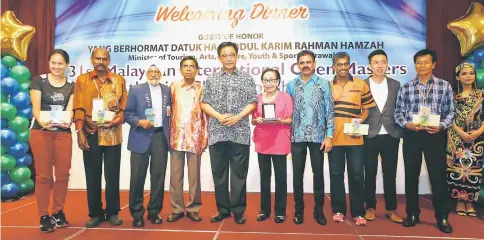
(269, 112)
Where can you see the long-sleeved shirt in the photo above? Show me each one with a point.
(439, 99)
(88, 87)
(313, 116)
(188, 130)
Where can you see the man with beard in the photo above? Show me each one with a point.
(312, 128)
(100, 140)
(147, 112)
(352, 99)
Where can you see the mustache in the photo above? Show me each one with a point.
(101, 65)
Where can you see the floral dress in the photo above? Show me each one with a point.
(464, 160)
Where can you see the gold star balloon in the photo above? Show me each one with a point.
(469, 29)
(14, 36)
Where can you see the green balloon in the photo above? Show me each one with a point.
(480, 78)
(19, 124)
(8, 111)
(3, 98)
(20, 73)
(25, 87)
(7, 162)
(3, 149)
(9, 61)
(27, 186)
(482, 65)
(24, 136)
(19, 174)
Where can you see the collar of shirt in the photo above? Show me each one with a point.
(154, 87)
(93, 74)
(313, 78)
(186, 85)
(370, 79)
(223, 72)
(430, 81)
(350, 77)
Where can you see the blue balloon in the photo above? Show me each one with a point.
(24, 161)
(18, 150)
(27, 113)
(472, 61)
(478, 55)
(20, 63)
(20, 100)
(10, 190)
(4, 71)
(10, 86)
(4, 177)
(8, 137)
(4, 124)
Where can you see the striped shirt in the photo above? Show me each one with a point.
(349, 99)
(439, 99)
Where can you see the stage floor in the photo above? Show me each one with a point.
(19, 220)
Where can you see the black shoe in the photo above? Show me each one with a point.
(444, 226)
(94, 222)
(239, 218)
(138, 222)
(194, 216)
(280, 219)
(411, 221)
(60, 219)
(320, 218)
(155, 218)
(115, 220)
(175, 217)
(219, 217)
(298, 218)
(47, 224)
(262, 217)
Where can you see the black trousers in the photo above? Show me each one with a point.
(280, 171)
(386, 146)
(93, 166)
(299, 151)
(338, 156)
(158, 151)
(225, 155)
(433, 148)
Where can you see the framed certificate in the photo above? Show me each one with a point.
(425, 120)
(56, 117)
(269, 112)
(100, 117)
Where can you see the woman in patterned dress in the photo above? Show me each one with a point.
(465, 142)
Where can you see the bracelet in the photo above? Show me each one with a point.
(77, 130)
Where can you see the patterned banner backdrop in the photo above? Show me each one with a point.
(269, 34)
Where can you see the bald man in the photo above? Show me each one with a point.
(100, 139)
(147, 112)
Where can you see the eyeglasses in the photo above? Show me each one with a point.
(232, 55)
(153, 72)
(189, 67)
(274, 80)
(346, 64)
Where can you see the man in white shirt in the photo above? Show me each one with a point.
(383, 138)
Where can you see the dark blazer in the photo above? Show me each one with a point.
(139, 98)
(377, 117)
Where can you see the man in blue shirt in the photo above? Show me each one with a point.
(312, 127)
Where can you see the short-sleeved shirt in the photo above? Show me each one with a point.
(348, 102)
(51, 95)
(229, 94)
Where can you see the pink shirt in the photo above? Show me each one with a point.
(274, 138)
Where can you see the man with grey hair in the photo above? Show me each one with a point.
(148, 114)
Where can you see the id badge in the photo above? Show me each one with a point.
(98, 104)
(425, 111)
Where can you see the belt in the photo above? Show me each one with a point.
(158, 129)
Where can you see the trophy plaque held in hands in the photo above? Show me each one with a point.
(269, 112)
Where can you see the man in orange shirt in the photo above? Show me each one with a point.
(100, 89)
(352, 99)
(188, 137)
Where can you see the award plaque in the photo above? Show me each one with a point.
(269, 112)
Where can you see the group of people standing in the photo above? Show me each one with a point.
(185, 118)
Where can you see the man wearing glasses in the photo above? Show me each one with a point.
(148, 114)
(312, 127)
(228, 98)
(188, 137)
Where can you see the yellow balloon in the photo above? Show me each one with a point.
(469, 29)
(14, 36)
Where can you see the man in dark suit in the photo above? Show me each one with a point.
(383, 137)
(148, 114)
